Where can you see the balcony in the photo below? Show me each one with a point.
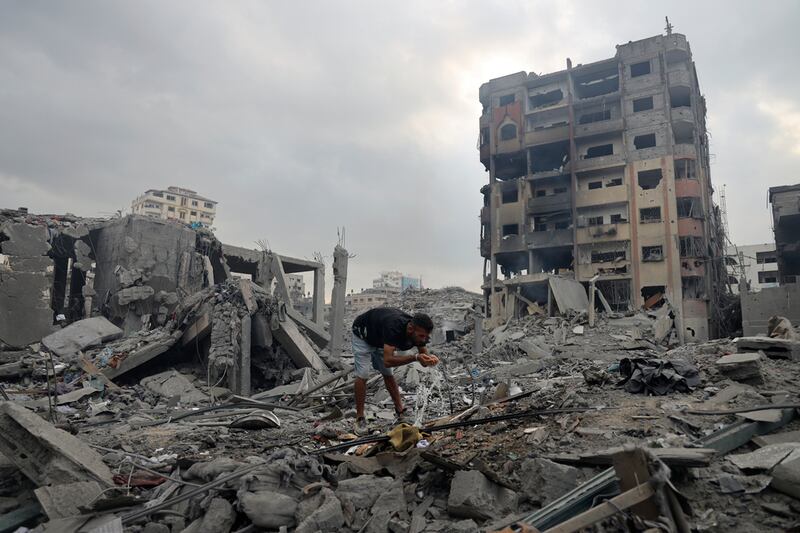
(679, 78)
(604, 233)
(548, 204)
(687, 187)
(607, 195)
(547, 135)
(549, 238)
(597, 128)
(682, 114)
(486, 215)
(511, 243)
(613, 160)
(677, 48)
(684, 151)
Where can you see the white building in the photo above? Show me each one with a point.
(757, 262)
(174, 202)
(395, 281)
(297, 286)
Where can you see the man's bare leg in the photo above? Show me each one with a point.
(361, 396)
(394, 392)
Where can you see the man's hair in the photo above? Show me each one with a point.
(421, 320)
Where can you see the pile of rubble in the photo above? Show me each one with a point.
(180, 397)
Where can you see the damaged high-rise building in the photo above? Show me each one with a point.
(601, 172)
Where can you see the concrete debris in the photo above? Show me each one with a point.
(473, 495)
(544, 481)
(741, 366)
(173, 384)
(786, 478)
(78, 336)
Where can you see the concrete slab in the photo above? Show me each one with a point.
(80, 335)
(766, 458)
(473, 495)
(44, 453)
(786, 478)
(741, 366)
(569, 294)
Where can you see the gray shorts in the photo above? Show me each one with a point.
(365, 355)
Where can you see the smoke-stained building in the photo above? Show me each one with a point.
(603, 170)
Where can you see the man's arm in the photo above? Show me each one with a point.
(391, 360)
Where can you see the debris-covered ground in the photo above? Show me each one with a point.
(158, 428)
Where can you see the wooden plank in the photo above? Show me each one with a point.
(630, 498)
(632, 470)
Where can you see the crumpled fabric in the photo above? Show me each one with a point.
(658, 376)
(404, 436)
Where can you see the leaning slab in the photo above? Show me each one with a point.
(740, 366)
(80, 335)
(44, 453)
(773, 348)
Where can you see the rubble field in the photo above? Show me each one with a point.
(204, 402)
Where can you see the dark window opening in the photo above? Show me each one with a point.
(692, 247)
(689, 207)
(644, 141)
(650, 214)
(693, 287)
(596, 221)
(170, 208)
(683, 132)
(171, 198)
(599, 151)
(766, 257)
(510, 166)
(507, 99)
(640, 69)
(548, 98)
(539, 224)
(617, 219)
(608, 257)
(684, 169)
(768, 277)
(562, 225)
(642, 104)
(193, 213)
(540, 193)
(653, 296)
(680, 97)
(158, 194)
(597, 116)
(209, 205)
(614, 182)
(510, 229)
(510, 196)
(508, 132)
(649, 179)
(549, 157)
(595, 185)
(559, 190)
(598, 83)
(652, 253)
(617, 293)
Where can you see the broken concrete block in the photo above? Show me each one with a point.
(362, 491)
(61, 501)
(321, 512)
(80, 335)
(134, 294)
(460, 526)
(766, 458)
(473, 495)
(268, 509)
(773, 348)
(219, 517)
(543, 481)
(786, 478)
(741, 366)
(172, 383)
(45, 454)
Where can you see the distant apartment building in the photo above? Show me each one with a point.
(176, 203)
(366, 299)
(756, 263)
(602, 169)
(394, 281)
(297, 286)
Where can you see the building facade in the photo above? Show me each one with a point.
(395, 281)
(366, 299)
(785, 200)
(757, 264)
(602, 170)
(176, 203)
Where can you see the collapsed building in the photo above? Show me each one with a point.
(601, 172)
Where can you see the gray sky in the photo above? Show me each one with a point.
(300, 119)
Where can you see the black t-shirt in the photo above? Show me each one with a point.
(384, 325)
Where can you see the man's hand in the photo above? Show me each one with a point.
(426, 359)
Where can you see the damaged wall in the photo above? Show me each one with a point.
(758, 307)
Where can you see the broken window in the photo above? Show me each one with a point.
(693, 287)
(644, 141)
(595, 185)
(768, 277)
(507, 99)
(597, 83)
(650, 214)
(510, 196)
(680, 97)
(653, 296)
(766, 257)
(652, 253)
(508, 132)
(617, 293)
(683, 132)
(616, 218)
(549, 157)
(596, 221)
(684, 169)
(643, 104)
(614, 182)
(692, 247)
(640, 69)
(649, 179)
(539, 226)
(545, 99)
(608, 257)
(559, 190)
(597, 116)
(510, 166)
(689, 207)
(510, 229)
(564, 224)
(540, 193)
(599, 151)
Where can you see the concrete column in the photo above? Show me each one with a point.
(477, 347)
(319, 296)
(243, 364)
(338, 294)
